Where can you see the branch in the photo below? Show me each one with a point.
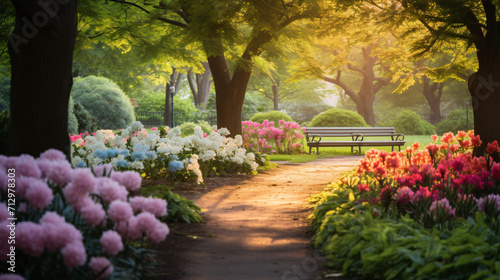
(349, 91)
(379, 84)
(130, 3)
(355, 68)
(173, 22)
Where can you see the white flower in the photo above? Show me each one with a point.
(207, 155)
(223, 131)
(136, 126)
(137, 165)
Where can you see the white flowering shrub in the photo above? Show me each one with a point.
(57, 222)
(164, 152)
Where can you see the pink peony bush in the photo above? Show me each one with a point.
(73, 225)
(285, 138)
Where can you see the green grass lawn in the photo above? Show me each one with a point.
(342, 151)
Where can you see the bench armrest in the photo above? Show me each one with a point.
(313, 136)
(357, 137)
(398, 137)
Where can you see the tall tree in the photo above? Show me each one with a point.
(215, 25)
(463, 23)
(41, 53)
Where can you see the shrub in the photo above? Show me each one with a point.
(72, 121)
(187, 128)
(86, 122)
(272, 116)
(104, 100)
(338, 118)
(456, 120)
(410, 123)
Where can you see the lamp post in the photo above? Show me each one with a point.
(172, 92)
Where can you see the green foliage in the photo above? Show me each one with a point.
(4, 130)
(86, 122)
(104, 100)
(179, 208)
(272, 116)
(456, 120)
(4, 94)
(409, 123)
(338, 118)
(72, 120)
(187, 128)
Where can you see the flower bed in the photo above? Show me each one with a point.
(163, 152)
(266, 138)
(431, 213)
(74, 223)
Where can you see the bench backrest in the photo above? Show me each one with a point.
(349, 131)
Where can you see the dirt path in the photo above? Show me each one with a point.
(255, 227)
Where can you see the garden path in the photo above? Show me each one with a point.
(255, 226)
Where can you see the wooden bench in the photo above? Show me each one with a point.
(314, 137)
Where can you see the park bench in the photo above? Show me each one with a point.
(314, 137)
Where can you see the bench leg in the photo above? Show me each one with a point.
(359, 150)
(317, 150)
(310, 148)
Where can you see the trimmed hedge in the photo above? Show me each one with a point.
(103, 99)
(410, 123)
(272, 116)
(456, 120)
(187, 128)
(338, 118)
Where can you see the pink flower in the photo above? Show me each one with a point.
(103, 170)
(404, 195)
(74, 254)
(155, 206)
(442, 204)
(102, 266)
(30, 238)
(129, 230)
(109, 190)
(26, 166)
(60, 173)
(111, 242)
(120, 211)
(11, 276)
(83, 180)
(130, 179)
(4, 212)
(73, 194)
(137, 203)
(146, 222)
(24, 183)
(159, 233)
(458, 164)
(58, 234)
(492, 199)
(39, 195)
(52, 218)
(4, 238)
(53, 154)
(93, 214)
(495, 171)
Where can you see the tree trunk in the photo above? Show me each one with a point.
(433, 98)
(484, 86)
(41, 51)
(200, 86)
(276, 89)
